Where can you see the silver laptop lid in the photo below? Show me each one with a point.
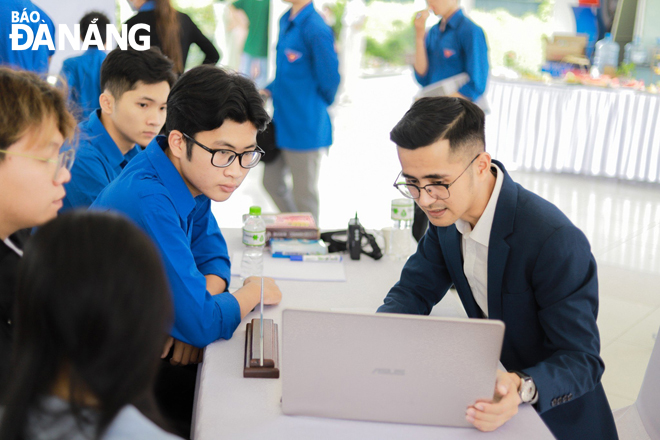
(387, 367)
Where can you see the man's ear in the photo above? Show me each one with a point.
(177, 144)
(107, 102)
(483, 164)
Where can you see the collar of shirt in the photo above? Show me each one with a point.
(170, 177)
(481, 231)
(148, 6)
(98, 137)
(13, 247)
(451, 21)
(301, 15)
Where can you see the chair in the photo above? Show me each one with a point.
(641, 420)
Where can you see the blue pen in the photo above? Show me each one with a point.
(335, 258)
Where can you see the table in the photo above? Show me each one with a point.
(230, 406)
(574, 129)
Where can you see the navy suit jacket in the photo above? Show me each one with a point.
(542, 283)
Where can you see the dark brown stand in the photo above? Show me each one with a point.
(252, 364)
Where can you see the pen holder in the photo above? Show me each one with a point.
(253, 366)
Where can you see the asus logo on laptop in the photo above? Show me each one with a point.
(389, 371)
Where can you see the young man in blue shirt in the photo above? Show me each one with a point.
(512, 256)
(83, 73)
(454, 45)
(304, 87)
(133, 107)
(37, 60)
(213, 118)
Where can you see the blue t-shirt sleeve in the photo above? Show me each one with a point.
(476, 63)
(199, 317)
(208, 245)
(325, 64)
(424, 80)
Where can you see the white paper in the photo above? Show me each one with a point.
(285, 269)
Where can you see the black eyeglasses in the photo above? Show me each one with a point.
(224, 158)
(438, 191)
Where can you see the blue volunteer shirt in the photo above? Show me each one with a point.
(306, 81)
(83, 77)
(152, 192)
(460, 48)
(27, 59)
(98, 162)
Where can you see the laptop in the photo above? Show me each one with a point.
(387, 367)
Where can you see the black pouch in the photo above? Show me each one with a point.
(266, 140)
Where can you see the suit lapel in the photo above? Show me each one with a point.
(498, 248)
(450, 242)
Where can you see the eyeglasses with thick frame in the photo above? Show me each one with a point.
(253, 156)
(64, 160)
(439, 191)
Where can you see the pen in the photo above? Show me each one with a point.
(319, 258)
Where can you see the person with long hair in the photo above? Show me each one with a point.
(93, 309)
(34, 122)
(174, 32)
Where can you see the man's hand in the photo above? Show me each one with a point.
(420, 22)
(272, 293)
(490, 415)
(183, 353)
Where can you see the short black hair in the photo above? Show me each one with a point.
(123, 69)
(204, 97)
(429, 120)
(101, 22)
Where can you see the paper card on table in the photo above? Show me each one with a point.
(284, 269)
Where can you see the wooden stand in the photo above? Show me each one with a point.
(253, 366)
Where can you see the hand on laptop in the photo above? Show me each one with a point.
(490, 415)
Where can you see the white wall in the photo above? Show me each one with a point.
(70, 12)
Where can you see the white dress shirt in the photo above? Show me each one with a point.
(475, 246)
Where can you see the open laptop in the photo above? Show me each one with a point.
(386, 367)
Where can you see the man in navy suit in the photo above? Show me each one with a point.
(512, 256)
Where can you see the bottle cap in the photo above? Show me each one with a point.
(402, 209)
(255, 210)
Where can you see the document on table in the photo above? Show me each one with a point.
(285, 269)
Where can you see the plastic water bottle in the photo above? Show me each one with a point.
(254, 239)
(400, 243)
(606, 59)
(634, 53)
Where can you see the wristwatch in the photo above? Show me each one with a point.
(528, 392)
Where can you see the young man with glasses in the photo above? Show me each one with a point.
(512, 256)
(213, 118)
(34, 122)
(131, 113)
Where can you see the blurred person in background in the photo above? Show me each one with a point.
(83, 72)
(254, 60)
(172, 31)
(305, 85)
(37, 60)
